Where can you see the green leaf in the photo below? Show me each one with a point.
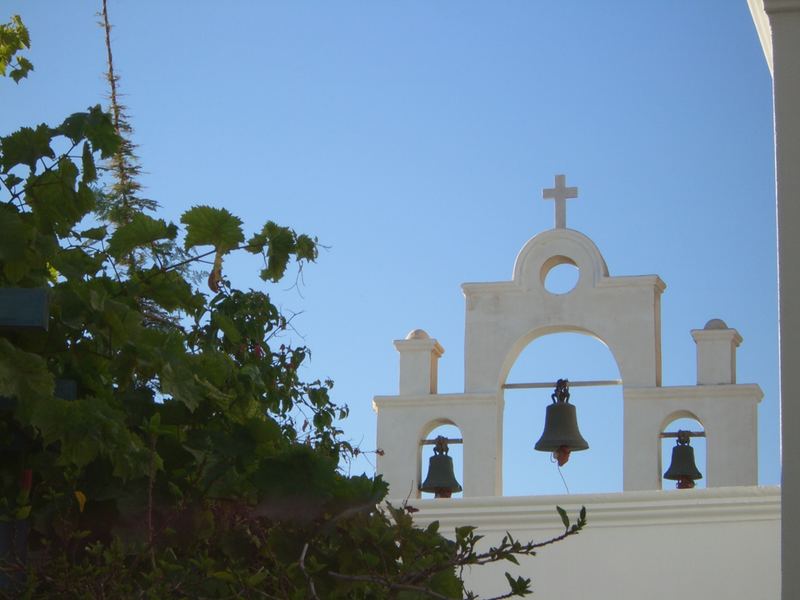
(168, 289)
(209, 226)
(15, 234)
(224, 576)
(16, 270)
(178, 381)
(97, 299)
(24, 67)
(227, 326)
(519, 586)
(75, 263)
(298, 473)
(25, 147)
(95, 126)
(463, 533)
(12, 180)
(306, 248)
(13, 38)
(263, 429)
(23, 375)
(446, 583)
(140, 231)
(95, 233)
(87, 163)
(280, 245)
(257, 578)
(57, 204)
(564, 518)
(154, 424)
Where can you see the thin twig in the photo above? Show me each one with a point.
(151, 476)
(311, 585)
(112, 79)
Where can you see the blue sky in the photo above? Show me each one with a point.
(413, 139)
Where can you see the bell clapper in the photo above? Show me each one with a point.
(561, 455)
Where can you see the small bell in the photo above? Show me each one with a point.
(682, 468)
(561, 435)
(441, 479)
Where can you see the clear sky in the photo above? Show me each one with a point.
(414, 138)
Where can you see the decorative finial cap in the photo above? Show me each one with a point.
(418, 334)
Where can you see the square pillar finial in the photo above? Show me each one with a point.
(419, 363)
(716, 353)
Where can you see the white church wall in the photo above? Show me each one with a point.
(718, 542)
(728, 414)
(778, 26)
(688, 544)
(404, 421)
(502, 318)
(624, 313)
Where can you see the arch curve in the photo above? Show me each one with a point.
(432, 424)
(559, 246)
(622, 312)
(679, 414)
(525, 340)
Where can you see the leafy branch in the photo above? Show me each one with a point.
(194, 460)
(14, 38)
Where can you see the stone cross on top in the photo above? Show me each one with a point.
(560, 193)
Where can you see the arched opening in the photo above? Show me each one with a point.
(683, 421)
(449, 430)
(577, 357)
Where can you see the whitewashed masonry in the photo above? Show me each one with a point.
(502, 318)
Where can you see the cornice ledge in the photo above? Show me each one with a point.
(379, 402)
(633, 281)
(779, 6)
(625, 509)
(430, 344)
(490, 287)
(716, 334)
(721, 390)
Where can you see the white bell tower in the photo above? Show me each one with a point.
(502, 318)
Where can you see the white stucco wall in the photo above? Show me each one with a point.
(625, 313)
(778, 26)
(728, 413)
(404, 421)
(696, 544)
(504, 317)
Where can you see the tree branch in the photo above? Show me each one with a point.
(311, 585)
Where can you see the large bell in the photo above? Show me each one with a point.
(441, 479)
(561, 434)
(682, 468)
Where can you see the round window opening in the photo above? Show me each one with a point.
(561, 278)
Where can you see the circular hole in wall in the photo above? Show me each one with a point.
(561, 278)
